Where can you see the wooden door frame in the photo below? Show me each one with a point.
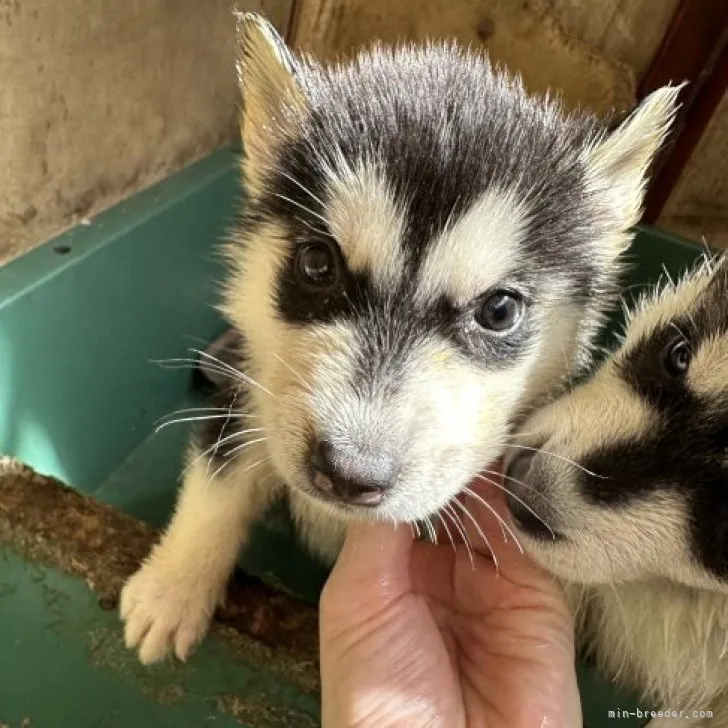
(694, 49)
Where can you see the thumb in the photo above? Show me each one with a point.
(373, 565)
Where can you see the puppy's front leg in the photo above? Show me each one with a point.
(168, 604)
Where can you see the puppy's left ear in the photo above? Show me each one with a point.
(272, 98)
(619, 162)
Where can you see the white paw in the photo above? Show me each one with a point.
(166, 612)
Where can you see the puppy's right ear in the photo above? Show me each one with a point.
(272, 99)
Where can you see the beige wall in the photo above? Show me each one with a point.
(698, 206)
(99, 98)
(592, 50)
(629, 32)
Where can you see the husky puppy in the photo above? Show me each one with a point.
(425, 250)
(620, 488)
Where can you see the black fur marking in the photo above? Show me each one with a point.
(533, 519)
(388, 325)
(643, 368)
(685, 455)
(444, 129)
(687, 451)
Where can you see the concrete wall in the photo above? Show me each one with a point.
(99, 98)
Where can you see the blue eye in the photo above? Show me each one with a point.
(502, 311)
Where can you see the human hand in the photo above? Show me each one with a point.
(413, 636)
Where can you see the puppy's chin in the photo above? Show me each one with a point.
(558, 559)
(571, 560)
(553, 559)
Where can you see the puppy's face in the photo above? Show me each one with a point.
(628, 478)
(424, 251)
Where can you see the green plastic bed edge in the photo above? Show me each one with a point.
(84, 317)
(64, 665)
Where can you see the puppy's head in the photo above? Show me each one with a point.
(424, 250)
(627, 477)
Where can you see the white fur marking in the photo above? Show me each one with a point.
(476, 251)
(366, 221)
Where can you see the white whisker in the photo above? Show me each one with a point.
(235, 372)
(283, 173)
(426, 529)
(524, 434)
(318, 231)
(222, 429)
(677, 328)
(254, 465)
(431, 528)
(237, 448)
(464, 509)
(186, 410)
(474, 495)
(560, 457)
(192, 419)
(305, 384)
(447, 531)
(448, 510)
(208, 451)
(246, 444)
(301, 207)
(513, 495)
(181, 363)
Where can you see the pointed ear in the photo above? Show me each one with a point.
(619, 162)
(271, 97)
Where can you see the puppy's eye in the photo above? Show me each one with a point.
(501, 311)
(316, 265)
(677, 357)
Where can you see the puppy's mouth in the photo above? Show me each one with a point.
(527, 500)
(345, 494)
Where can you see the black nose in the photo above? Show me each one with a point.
(351, 476)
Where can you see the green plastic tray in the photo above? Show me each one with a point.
(82, 321)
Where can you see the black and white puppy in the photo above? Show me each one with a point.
(425, 251)
(621, 489)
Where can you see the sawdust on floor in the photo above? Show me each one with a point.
(50, 523)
